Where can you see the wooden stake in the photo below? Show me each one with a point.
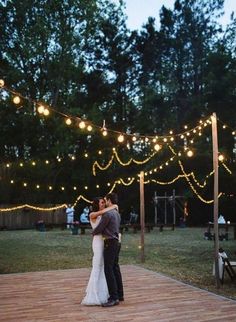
(165, 208)
(174, 212)
(155, 203)
(216, 192)
(142, 214)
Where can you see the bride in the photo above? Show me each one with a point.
(97, 291)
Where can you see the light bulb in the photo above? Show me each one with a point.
(221, 157)
(82, 124)
(104, 132)
(40, 109)
(46, 112)
(16, 100)
(190, 153)
(120, 138)
(157, 147)
(68, 121)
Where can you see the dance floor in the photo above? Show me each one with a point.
(149, 296)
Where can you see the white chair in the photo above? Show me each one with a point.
(226, 265)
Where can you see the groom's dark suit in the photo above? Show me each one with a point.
(109, 228)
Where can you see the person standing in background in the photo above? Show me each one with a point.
(69, 215)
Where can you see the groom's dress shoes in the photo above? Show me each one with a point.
(110, 303)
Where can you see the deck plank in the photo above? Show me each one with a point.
(149, 296)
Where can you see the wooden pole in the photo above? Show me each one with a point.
(216, 192)
(174, 212)
(142, 214)
(155, 203)
(165, 208)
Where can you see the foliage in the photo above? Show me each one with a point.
(80, 58)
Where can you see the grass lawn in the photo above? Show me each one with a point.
(182, 254)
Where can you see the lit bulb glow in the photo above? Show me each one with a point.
(2, 83)
(120, 138)
(16, 100)
(40, 109)
(190, 153)
(221, 157)
(68, 121)
(46, 112)
(82, 125)
(157, 147)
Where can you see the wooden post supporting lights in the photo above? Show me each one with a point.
(216, 192)
(142, 214)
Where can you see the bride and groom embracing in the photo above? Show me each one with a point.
(105, 285)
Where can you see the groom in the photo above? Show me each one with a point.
(109, 228)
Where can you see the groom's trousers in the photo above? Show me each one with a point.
(111, 268)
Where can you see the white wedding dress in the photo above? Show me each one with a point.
(96, 291)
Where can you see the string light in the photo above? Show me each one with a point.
(40, 109)
(46, 112)
(2, 83)
(16, 100)
(32, 207)
(190, 153)
(120, 138)
(226, 168)
(115, 154)
(83, 198)
(165, 139)
(104, 129)
(104, 132)
(157, 147)
(131, 180)
(221, 157)
(194, 190)
(68, 121)
(82, 125)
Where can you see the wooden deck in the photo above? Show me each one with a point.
(149, 296)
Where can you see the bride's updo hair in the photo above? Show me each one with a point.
(95, 204)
